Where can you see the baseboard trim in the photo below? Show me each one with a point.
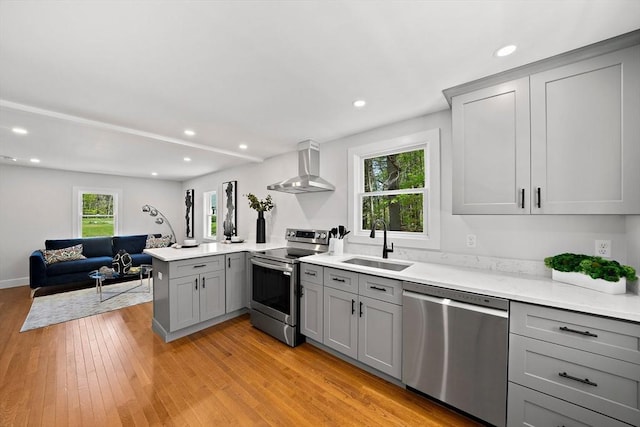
(14, 283)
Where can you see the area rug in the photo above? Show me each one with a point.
(58, 308)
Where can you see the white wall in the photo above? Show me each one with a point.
(500, 239)
(633, 246)
(36, 204)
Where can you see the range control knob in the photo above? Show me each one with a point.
(323, 235)
(317, 235)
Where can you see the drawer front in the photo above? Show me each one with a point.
(534, 409)
(613, 338)
(603, 384)
(311, 273)
(380, 288)
(341, 279)
(188, 267)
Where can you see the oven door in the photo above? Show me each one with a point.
(273, 289)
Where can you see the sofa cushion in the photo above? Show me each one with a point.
(52, 256)
(139, 259)
(83, 265)
(91, 246)
(131, 244)
(157, 242)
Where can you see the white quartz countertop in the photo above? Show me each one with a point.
(529, 289)
(208, 249)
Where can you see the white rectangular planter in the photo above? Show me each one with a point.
(582, 280)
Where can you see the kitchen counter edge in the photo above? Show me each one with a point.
(523, 288)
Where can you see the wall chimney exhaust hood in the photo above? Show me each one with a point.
(307, 180)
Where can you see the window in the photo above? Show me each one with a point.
(96, 212)
(397, 181)
(210, 215)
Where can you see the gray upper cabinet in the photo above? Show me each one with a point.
(585, 136)
(561, 141)
(491, 150)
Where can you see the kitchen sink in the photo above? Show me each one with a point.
(384, 265)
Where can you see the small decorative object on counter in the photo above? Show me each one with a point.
(591, 272)
(261, 206)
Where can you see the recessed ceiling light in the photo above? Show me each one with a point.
(506, 50)
(34, 160)
(13, 159)
(242, 146)
(187, 159)
(154, 173)
(20, 131)
(189, 132)
(359, 103)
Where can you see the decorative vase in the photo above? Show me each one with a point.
(260, 228)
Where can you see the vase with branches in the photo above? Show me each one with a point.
(261, 206)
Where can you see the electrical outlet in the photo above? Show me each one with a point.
(471, 240)
(603, 248)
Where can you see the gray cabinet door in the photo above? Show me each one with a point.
(380, 335)
(491, 159)
(341, 321)
(212, 295)
(311, 310)
(585, 128)
(236, 278)
(529, 408)
(184, 308)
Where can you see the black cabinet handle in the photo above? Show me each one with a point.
(338, 280)
(538, 201)
(310, 273)
(229, 262)
(199, 265)
(360, 308)
(353, 306)
(580, 380)
(522, 198)
(575, 331)
(301, 291)
(378, 288)
(196, 284)
(203, 282)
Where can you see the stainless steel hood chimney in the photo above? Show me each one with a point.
(307, 180)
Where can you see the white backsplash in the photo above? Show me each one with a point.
(505, 265)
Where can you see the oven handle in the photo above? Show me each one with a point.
(270, 266)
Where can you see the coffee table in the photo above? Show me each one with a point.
(144, 270)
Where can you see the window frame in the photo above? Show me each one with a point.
(206, 229)
(429, 141)
(77, 207)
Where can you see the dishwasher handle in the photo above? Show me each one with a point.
(457, 304)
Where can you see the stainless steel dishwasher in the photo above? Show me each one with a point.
(455, 349)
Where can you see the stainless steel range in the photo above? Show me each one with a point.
(275, 284)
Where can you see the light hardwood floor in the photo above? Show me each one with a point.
(111, 369)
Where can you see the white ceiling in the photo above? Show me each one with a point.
(109, 87)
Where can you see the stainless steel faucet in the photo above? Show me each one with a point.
(385, 249)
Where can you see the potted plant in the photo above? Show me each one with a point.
(591, 272)
(261, 206)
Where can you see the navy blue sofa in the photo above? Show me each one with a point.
(98, 251)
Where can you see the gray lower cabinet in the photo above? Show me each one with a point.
(311, 301)
(236, 282)
(364, 325)
(528, 408)
(192, 294)
(572, 360)
(196, 298)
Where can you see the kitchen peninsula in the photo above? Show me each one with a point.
(195, 288)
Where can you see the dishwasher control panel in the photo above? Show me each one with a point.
(461, 296)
